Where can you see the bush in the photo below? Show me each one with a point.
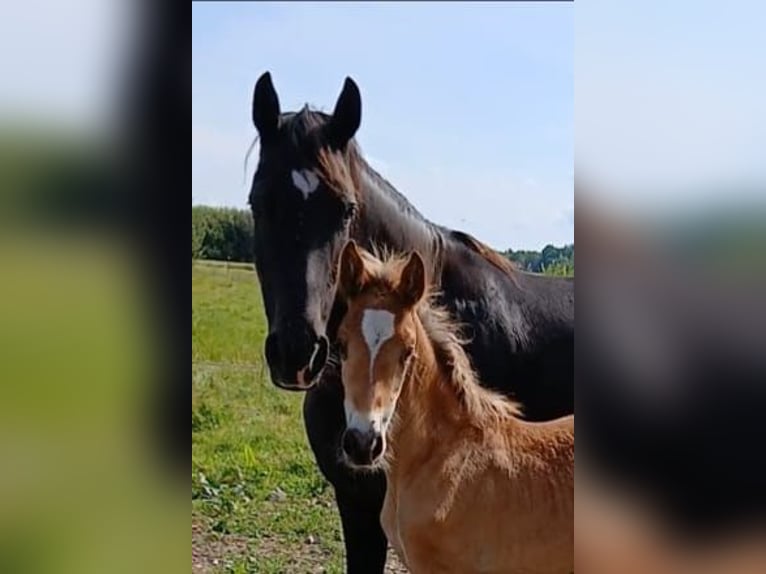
(551, 261)
(222, 233)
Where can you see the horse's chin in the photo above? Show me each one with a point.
(300, 384)
(306, 379)
(295, 388)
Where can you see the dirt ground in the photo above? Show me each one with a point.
(213, 553)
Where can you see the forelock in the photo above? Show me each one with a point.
(310, 150)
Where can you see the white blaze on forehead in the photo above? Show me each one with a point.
(377, 328)
(306, 181)
(315, 270)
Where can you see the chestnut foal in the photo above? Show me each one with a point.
(471, 486)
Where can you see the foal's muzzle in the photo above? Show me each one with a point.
(362, 448)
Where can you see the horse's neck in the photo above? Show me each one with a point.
(387, 219)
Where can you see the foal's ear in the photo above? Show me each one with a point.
(346, 116)
(412, 284)
(352, 273)
(265, 108)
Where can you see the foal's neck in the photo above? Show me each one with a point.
(439, 399)
(427, 402)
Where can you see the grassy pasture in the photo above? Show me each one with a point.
(259, 504)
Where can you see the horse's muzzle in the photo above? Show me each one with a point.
(296, 365)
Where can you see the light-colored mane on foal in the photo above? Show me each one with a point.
(445, 335)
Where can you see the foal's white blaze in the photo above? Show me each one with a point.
(377, 328)
(306, 181)
(364, 422)
(367, 422)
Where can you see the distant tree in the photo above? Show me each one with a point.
(222, 233)
(551, 261)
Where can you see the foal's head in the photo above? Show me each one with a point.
(377, 342)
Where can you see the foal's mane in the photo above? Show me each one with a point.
(445, 335)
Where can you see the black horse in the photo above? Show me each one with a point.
(311, 192)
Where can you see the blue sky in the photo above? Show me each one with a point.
(467, 108)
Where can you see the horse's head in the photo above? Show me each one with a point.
(303, 199)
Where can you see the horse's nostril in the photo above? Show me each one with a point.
(349, 444)
(377, 446)
(361, 448)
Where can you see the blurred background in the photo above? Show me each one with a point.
(670, 222)
(89, 479)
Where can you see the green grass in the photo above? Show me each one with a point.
(248, 439)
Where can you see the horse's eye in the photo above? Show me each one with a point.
(349, 210)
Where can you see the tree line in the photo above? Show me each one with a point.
(222, 233)
(226, 234)
(551, 260)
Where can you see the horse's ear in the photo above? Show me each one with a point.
(412, 284)
(265, 108)
(352, 274)
(346, 116)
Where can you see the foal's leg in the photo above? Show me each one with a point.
(359, 496)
